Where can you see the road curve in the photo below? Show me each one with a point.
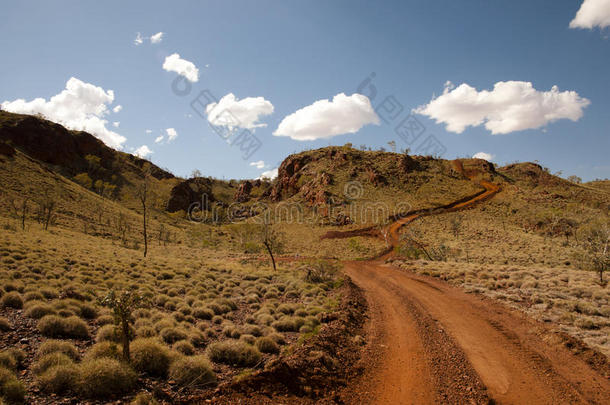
(436, 344)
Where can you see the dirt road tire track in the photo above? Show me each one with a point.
(441, 345)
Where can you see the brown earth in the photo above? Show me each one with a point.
(433, 343)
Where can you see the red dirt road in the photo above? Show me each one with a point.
(433, 343)
(436, 344)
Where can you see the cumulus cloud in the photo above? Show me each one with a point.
(510, 106)
(143, 151)
(258, 164)
(139, 39)
(269, 174)
(117, 109)
(173, 63)
(159, 139)
(325, 119)
(155, 39)
(171, 134)
(116, 124)
(484, 156)
(592, 13)
(148, 131)
(80, 106)
(235, 113)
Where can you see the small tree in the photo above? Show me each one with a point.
(122, 226)
(21, 210)
(456, 224)
(595, 240)
(46, 205)
(123, 304)
(145, 196)
(271, 239)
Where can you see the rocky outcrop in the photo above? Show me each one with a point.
(197, 190)
(53, 144)
(288, 176)
(243, 191)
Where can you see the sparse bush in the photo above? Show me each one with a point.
(203, 313)
(5, 325)
(151, 357)
(234, 352)
(172, 335)
(194, 371)
(105, 378)
(38, 310)
(11, 300)
(266, 344)
(8, 361)
(103, 349)
(50, 360)
(17, 354)
(184, 347)
(58, 346)
(54, 326)
(107, 333)
(59, 379)
(11, 389)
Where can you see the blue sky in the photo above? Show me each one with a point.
(293, 53)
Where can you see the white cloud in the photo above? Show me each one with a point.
(235, 113)
(592, 13)
(116, 124)
(117, 109)
(269, 174)
(139, 40)
(171, 134)
(143, 151)
(149, 131)
(159, 139)
(155, 39)
(510, 106)
(484, 156)
(258, 164)
(80, 106)
(325, 119)
(173, 63)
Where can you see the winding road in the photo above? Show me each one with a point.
(433, 343)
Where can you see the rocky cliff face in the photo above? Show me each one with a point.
(53, 144)
(197, 190)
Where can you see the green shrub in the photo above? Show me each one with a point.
(194, 371)
(105, 378)
(50, 360)
(172, 335)
(5, 325)
(184, 347)
(234, 352)
(203, 313)
(107, 333)
(8, 361)
(103, 350)
(11, 300)
(59, 379)
(150, 356)
(58, 346)
(267, 345)
(54, 326)
(38, 310)
(17, 354)
(13, 391)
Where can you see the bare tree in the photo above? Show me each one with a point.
(144, 196)
(21, 210)
(47, 205)
(270, 238)
(122, 226)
